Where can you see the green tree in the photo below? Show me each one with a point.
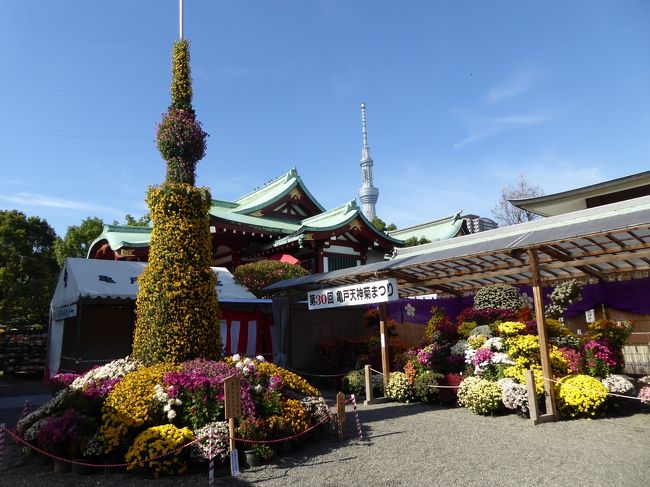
(77, 239)
(380, 225)
(131, 221)
(28, 268)
(257, 275)
(413, 241)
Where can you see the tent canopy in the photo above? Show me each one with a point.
(111, 279)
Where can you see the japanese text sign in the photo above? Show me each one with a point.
(232, 397)
(354, 294)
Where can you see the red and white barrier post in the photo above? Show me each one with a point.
(356, 415)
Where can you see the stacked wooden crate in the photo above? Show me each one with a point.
(22, 351)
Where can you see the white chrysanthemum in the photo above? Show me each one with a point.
(459, 348)
(236, 357)
(501, 358)
(111, 370)
(495, 344)
(514, 395)
(481, 330)
(618, 384)
(260, 358)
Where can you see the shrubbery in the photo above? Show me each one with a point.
(157, 441)
(399, 388)
(498, 345)
(501, 296)
(147, 411)
(580, 395)
(480, 396)
(257, 275)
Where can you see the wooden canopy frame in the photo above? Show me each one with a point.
(610, 242)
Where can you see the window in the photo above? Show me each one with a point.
(335, 263)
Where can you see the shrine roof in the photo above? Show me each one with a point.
(273, 191)
(442, 229)
(269, 225)
(334, 219)
(119, 236)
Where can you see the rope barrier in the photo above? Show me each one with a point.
(23, 442)
(18, 439)
(376, 371)
(2, 443)
(94, 361)
(300, 372)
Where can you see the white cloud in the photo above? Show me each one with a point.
(516, 84)
(38, 200)
(553, 173)
(482, 128)
(15, 182)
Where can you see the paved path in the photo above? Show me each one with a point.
(418, 445)
(19, 401)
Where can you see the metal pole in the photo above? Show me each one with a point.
(180, 19)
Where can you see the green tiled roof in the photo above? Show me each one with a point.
(119, 236)
(331, 220)
(442, 229)
(262, 223)
(238, 213)
(273, 191)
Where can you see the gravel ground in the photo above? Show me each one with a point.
(414, 445)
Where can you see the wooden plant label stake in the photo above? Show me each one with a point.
(232, 409)
(232, 397)
(340, 411)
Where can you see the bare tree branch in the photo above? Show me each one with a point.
(505, 213)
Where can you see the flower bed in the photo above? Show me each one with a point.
(487, 351)
(134, 413)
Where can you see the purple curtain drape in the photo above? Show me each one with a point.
(632, 296)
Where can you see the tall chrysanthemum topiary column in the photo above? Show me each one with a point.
(177, 314)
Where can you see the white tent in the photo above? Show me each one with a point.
(95, 281)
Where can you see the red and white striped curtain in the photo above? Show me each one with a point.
(246, 333)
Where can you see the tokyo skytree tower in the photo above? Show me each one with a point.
(368, 194)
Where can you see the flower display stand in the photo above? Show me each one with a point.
(252, 458)
(61, 466)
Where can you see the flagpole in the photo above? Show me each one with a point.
(180, 19)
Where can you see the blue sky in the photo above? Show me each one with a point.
(462, 97)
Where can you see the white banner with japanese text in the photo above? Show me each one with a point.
(354, 294)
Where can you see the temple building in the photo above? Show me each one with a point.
(283, 221)
(280, 218)
(606, 192)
